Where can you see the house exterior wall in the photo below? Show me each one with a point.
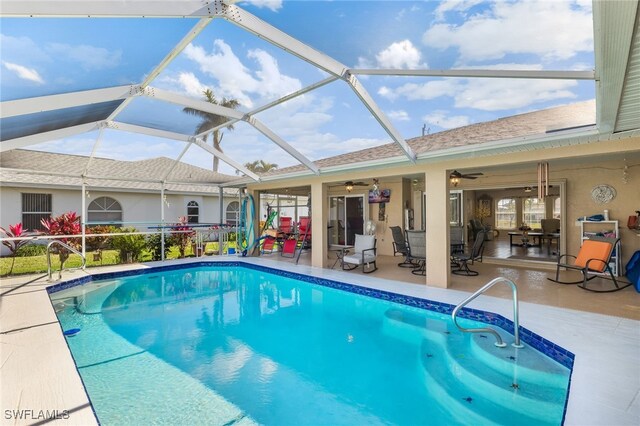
(141, 210)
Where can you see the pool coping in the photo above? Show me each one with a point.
(542, 345)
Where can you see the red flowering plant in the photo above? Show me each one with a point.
(15, 231)
(65, 224)
(182, 234)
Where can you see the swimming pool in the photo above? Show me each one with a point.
(233, 343)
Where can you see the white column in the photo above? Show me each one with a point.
(162, 221)
(221, 201)
(319, 212)
(83, 219)
(437, 221)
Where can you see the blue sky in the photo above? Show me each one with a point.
(46, 56)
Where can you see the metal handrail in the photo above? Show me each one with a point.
(68, 247)
(490, 284)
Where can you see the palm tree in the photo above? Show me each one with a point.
(260, 166)
(209, 121)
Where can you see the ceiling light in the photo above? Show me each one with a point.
(455, 180)
(528, 189)
(348, 186)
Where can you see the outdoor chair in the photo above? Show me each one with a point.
(304, 232)
(461, 260)
(400, 246)
(416, 241)
(364, 254)
(593, 261)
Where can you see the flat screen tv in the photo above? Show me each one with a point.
(382, 197)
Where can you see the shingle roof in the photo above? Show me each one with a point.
(528, 124)
(135, 174)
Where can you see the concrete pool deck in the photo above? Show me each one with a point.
(38, 374)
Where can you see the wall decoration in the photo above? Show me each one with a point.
(603, 194)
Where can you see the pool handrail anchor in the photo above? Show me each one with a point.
(499, 343)
(71, 249)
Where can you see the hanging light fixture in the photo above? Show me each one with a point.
(528, 189)
(543, 180)
(454, 179)
(348, 186)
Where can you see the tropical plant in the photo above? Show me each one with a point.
(154, 246)
(210, 120)
(15, 231)
(65, 224)
(129, 245)
(182, 234)
(99, 243)
(260, 166)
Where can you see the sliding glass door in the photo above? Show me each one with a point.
(346, 219)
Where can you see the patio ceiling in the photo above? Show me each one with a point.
(25, 122)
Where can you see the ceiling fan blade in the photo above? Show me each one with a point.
(474, 174)
(468, 177)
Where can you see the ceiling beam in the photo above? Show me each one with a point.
(47, 136)
(274, 103)
(381, 117)
(108, 9)
(486, 73)
(230, 113)
(125, 127)
(65, 100)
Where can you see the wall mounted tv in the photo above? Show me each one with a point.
(382, 197)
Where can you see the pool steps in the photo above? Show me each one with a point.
(530, 404)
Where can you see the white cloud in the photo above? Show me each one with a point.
(401, 54)
(274, 5)
(235, 80)
(551, 29)
(399, 115)
(89, 57)
(486, 94)
(454, 5)
(441, 119)
(24, 72)
(191, 85)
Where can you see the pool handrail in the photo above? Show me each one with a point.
(499, 343)
(68, 247)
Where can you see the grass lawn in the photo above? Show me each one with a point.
(38, 264)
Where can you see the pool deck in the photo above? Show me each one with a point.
(37, 371)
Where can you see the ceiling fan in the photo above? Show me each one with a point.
(455, 177)
(348, 185)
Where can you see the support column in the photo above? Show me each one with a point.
(437, 224)
(255, 220)
(319, 212)
(221, 201)
(162, 221)
(83, 220)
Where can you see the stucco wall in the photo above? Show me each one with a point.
(140, 208)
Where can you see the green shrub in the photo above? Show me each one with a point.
(154, 246)
(99, 243)
(31, 250)
(126, 245)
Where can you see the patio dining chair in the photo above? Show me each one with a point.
(461, 261)
(416, 241)
(400, 246)
(364, 254)
(593, 260)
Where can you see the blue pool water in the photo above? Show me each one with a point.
(234, 345)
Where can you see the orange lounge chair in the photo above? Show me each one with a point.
(593, 261)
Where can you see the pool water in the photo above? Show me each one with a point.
(235, 345)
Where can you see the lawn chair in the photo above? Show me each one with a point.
(417, 244)
(593, 261)
(461, 260)
(400, 246)
(364, 253)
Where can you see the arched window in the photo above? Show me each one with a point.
(233, 210)
(506, 213)
(193, 212)
(104, 209)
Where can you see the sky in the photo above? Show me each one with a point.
(47, 56)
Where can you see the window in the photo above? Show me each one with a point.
(506, 213)
(455, 208)
(34, 208)
(533, 212)
(233, 212)
(193, 212)
(556, 208)
(104, 209)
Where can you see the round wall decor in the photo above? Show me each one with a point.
(602, 194)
